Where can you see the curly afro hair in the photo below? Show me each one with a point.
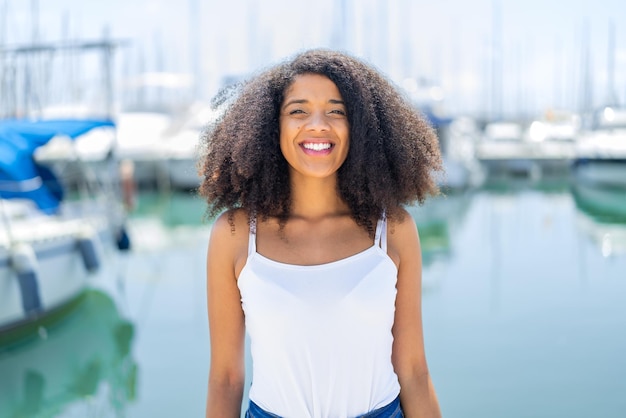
(392, 160)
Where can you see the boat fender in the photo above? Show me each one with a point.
(87, 246)
(24, 263)
(122, 239)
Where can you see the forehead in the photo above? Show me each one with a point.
(313, 85)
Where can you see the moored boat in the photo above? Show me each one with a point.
(50, 243)
(536, 150)
(601, 150)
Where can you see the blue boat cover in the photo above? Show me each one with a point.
(20, 175)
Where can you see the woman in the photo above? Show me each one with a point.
(315, 256)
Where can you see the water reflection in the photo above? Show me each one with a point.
(172, 209)
(162, 221)
(602, 216)
(79, 363)
(437, 222)
(527, 316)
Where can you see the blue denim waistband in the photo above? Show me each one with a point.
(392, 410)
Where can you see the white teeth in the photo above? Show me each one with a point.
(317, 146)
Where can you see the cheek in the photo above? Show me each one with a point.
(347, 151)
(345, 132)
(344, 128)
(289, 128)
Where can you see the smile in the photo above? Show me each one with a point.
(317, 146)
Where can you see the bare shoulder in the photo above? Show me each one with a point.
(229, 239)
(402, 237)
(232, 222)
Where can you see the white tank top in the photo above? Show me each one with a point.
(321, 335)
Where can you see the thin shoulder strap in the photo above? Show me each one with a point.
(381, 233)
(252, 237)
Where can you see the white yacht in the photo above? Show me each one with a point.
(601, 150)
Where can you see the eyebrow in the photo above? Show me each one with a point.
(300, 101)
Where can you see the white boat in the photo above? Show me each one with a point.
(49, 244)
(543, 147)
(498, 149)
(139, 141)
(181, 142)
(462, 169)
(140, 137)
(555, 127)
(92, 153)
(601, 151)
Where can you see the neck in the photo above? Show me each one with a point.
(313, 198)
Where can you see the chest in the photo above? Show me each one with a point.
(308, 245)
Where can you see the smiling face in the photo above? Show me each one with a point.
(314, 128)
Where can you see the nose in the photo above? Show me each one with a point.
(318, 122)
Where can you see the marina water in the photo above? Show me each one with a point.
(524, 314)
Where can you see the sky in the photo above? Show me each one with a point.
(490, 57)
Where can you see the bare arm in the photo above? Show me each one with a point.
(227, 249)
(417, 394)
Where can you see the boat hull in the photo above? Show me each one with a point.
(45, 262)
(602, 172)
(60, 277)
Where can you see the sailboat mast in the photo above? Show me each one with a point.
(496, 61)
(610, 87)
(107, 57)
(586, 94)
(194, 49)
